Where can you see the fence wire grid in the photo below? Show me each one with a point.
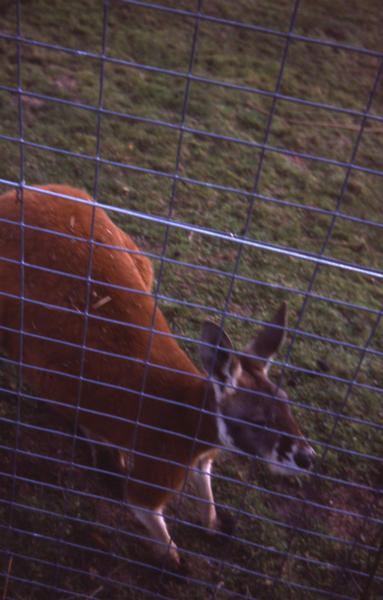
(240, 144)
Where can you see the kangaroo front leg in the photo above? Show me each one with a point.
(202, 481)
(154, 522)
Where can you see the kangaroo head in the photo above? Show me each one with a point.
(253, 414)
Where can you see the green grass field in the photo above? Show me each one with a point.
(156, 124)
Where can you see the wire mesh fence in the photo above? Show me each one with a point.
(240, 145)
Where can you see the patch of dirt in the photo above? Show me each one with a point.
(61, 509)
(33, 103)
(357, 526)
(66, 82)
(346, 513)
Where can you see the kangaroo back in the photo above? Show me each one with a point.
(87, 312)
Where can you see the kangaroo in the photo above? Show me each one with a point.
(96, 347)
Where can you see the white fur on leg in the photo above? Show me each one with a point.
(202, 482)
(154, 522)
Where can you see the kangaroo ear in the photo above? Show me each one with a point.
(216, 351)
(268, 341)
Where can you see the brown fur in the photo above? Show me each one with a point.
(110, 266)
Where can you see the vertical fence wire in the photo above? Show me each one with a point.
(250, 214)
(19, 369)
(56, 577)
(311, 285)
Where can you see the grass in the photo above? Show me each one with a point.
(143, 147)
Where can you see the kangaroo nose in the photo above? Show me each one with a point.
(304, 458)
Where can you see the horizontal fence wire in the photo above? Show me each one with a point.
(220, 241)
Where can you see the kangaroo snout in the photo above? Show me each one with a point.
(305, 457)
(289, 457)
